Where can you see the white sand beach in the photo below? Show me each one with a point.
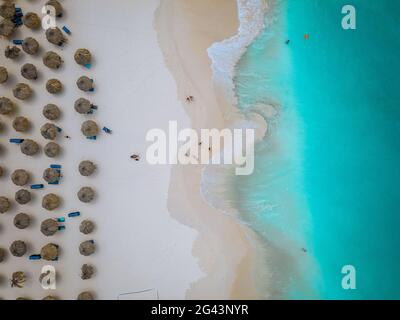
(154, 231)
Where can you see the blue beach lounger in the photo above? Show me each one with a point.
(74, 214)
(61, 228)
(35, 257)
(66, 30)
(61, 219)
(92, 138)
(88, 65)
(17, 141)
(94, 107)
(106, 130)
(18, 42)
(37, 186)
(55, 166)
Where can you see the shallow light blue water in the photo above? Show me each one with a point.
(327, 177)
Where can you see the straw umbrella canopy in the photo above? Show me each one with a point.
(22, 91)
(6, 106)
(18, 280)
(86, 227)
(87, 271)
(52, 60)
(84, 83)
(50, 202)
(83, 56)
(86, 194)
(29, 147)
(86, 295)
(30, 46)
(51, 112)
(54, 86)
(90, 128)
(49, 227)
(7, 9)
(83, 106)
(55, 36)
(21, 124)
(87, 248)
(57, 6)
(22, 221)
(3, 74)
(3, 254)
(31, 20)
(23, 196)
(50, 297)
(49, 252)
(87, 168)
(51, 175)
(20, 177)
(52, 149)
(18, 248)
(12, 52)
(29, 71)
(7, 27)
(49, 131)
(5, 204)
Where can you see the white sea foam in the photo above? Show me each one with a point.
(226, 54)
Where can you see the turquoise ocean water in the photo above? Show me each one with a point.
(326, 189)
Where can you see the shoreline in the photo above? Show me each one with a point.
(222, 232)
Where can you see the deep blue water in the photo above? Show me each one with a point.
(327, 177)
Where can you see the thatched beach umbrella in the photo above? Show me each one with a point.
(57, 6)
(51, 175)
(3, 254)
(83, 56)
(22, 91)
(12, 52)
(7, 28)
(3, 74)
(52, 149)
(5, 204)
(50, 202)
(85, 84)
(22, 221)
(86, 227)
(31, 20)
(86, 295)
(20, 177)
(49, 252)
(50, 297)
(29, 71)
(52, 60)
(87, 271)
(18, 248)
(51, 112)
(49, 131)
(23, 196)
(49, 227)
(7, 9)
(90, 128)
(87, 168)
(83, 106)
(29, 147)
(21, 124)
(54, 86)
(87, 248)
(18, 280)
(6, 106)
(86, 194)
(55, 36)
(30, 46)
